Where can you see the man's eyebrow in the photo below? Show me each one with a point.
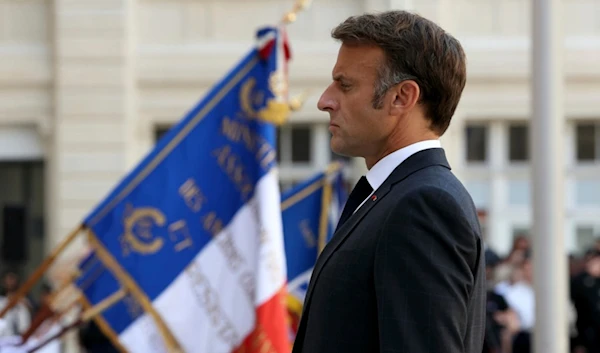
(340, 77)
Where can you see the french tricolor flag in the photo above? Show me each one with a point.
(196, 227)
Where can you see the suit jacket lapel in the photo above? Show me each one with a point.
(419, 160)
(342, 233)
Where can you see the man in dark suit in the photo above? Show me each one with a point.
(405, 269)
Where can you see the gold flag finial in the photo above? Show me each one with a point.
(298, 101)
(291, 16)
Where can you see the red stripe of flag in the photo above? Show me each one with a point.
(270, 334)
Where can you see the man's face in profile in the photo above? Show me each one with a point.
(357, 128)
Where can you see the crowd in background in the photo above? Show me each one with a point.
(511, 300)
(17, 321)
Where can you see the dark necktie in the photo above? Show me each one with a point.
(360, 192)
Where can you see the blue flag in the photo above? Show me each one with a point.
(310, 212)
(170, 224)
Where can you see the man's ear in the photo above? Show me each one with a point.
(405, 96)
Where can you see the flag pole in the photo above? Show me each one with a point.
(87, 315)
(549, 257)
(54, 307)
(46, 310)
(292, 15)
(103, 326)
(326, 203)
(105, 304)
(39, 272)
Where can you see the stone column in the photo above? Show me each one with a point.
(453, 143)
(499, 230)
(95, 112)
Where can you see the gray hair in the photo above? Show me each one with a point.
(386, 79)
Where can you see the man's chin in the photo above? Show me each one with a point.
(339, 149)
(335, 146)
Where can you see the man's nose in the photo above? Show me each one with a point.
(327, 102)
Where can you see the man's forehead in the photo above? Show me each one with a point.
(357, 59)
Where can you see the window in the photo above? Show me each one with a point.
(159, 132)
(278, 144)
(285, 186)
(520, 231)
(518, 142)
(301, 143)
(22, 205)
(586, 236)
(519, 192)
(480, 191)
(294, 144)
(588, 141)
(587, 191)
(477, 141)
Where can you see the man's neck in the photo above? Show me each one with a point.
(393, 147)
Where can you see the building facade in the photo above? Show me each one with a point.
(87, 86)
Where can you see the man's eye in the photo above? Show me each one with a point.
(345, 86)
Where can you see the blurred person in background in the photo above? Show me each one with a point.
(502, 322)
(520, 297)
(17, 320)
(506, 273)
(576, 265)
(11, 281)
(49, 327)
(597, 243)
(585, 294)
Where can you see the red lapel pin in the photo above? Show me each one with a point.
(374, 197)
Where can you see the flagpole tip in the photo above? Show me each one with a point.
(291, 16)
(297, 102)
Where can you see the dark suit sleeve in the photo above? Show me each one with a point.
(425, 260)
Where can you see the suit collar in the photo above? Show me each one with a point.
(422, 159)
(384, 167)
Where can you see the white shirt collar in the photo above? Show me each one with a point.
(382, 169)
